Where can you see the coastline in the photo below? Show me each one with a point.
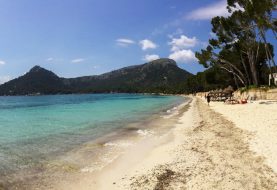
(206, 151)
(92, 156)
(203, 151)
(196, 146)
(131, 156)
(127, 149)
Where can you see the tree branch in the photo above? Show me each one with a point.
(230, 71)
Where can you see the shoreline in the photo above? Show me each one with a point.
(116, 175)
(202, 151)
(206, 151)
(128, 147)
(93, 155)
(131, 156)
(196, 147)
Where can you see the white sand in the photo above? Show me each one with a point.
(260, 119)
(140, 160)
(202, 151)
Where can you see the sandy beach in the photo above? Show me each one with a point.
(138, 95)
(194, 146)
(210, 147)
(259, 119)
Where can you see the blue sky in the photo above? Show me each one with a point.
(87, 37)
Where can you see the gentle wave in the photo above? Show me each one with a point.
(38, 129)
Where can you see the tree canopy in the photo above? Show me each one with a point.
(240, 46)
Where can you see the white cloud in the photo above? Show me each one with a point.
(147, 44)
(78, 60)
(182, 42)
(180, 49)
(124, 42)
(4, 79)
(152, 57)
(208, 12)
(2, 62)
(49, 59)
(183, 56)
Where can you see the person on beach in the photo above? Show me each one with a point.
(208, 99)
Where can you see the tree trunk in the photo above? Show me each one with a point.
(234, 68)
(262, 33)
(235, 79)
(232, 71)
(246, 70)
(253, 68)
(270, 69)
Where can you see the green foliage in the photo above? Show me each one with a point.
(212, 78)
(237, 47)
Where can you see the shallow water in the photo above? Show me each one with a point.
(39, 128)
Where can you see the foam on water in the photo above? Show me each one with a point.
(119, 144)
(145, 132)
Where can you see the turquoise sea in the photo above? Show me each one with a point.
(38, 128)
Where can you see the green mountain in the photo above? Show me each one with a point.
(159, 76)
